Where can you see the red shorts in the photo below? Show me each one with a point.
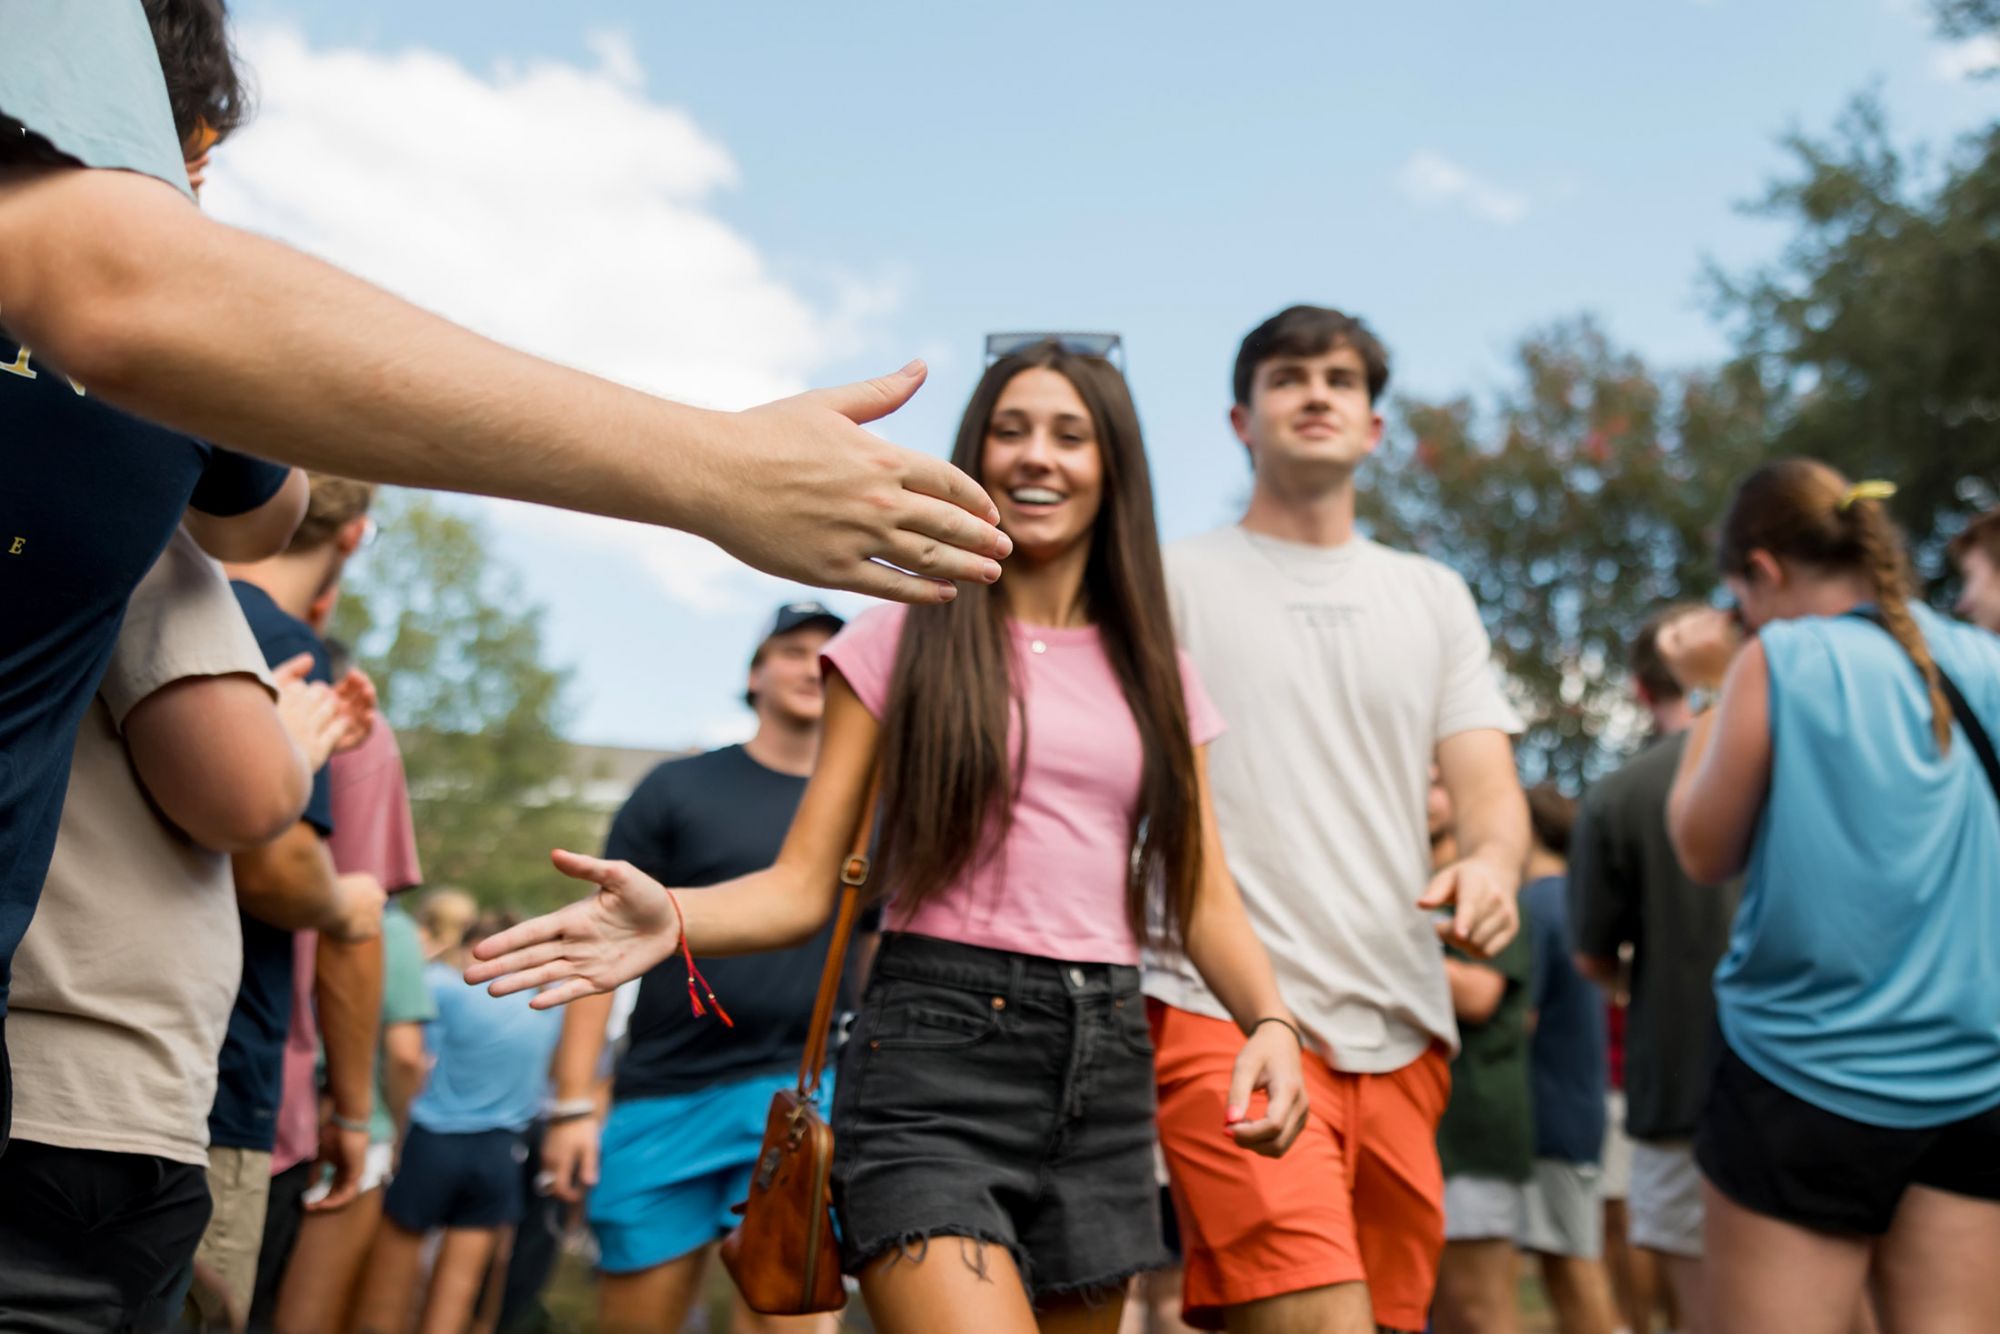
(1359, 1197)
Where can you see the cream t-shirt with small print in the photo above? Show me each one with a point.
(1340, 670)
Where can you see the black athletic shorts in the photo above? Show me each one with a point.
(470, 1180)
(1781, 1156)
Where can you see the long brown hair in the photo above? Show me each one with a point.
(949, 782)
(1802, 510)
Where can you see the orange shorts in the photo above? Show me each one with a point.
(1359, 1197)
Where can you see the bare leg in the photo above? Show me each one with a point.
(1634, 1278)
(322, 1281)
(651, 1301)
(1687, 1299)
(1340, 1308)
(458, 1278)
(389, 1284)
(1580, 1292)
(1082, 1313)
(1477, 1290)
(1936, 1271)
(952, 1285)
(747, 1321)
(1154, 1304)
(1764, 1274)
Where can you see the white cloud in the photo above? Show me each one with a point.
(1967, 59)
(551, 206)
(1429, 177)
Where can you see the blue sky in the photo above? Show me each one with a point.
(886, 180)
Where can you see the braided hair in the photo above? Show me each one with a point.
(1802, 510)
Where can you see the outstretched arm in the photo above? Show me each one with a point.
(119, 281)
(629, 925)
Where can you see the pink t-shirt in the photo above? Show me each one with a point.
(371, 832)
(1056, 887)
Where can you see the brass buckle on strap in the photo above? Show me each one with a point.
(854, 872)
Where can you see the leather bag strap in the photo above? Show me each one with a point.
(853, 878)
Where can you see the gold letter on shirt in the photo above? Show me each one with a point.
(21, 366)
(19, 543)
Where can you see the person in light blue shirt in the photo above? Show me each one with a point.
(1851, 1141)
(460, 1168)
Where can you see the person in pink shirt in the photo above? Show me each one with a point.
(1044, 809)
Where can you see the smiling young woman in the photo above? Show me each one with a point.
(1042, 748)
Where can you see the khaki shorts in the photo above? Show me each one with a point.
(239, 1182)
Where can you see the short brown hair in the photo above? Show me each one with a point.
(335, 503)
(1648, 668)
(1309, 331)
(1981, 535)
(1552, 816)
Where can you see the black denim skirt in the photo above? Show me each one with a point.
(1000, 1097)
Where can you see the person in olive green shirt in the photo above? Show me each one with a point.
(1486, 1140)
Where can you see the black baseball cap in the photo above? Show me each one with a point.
(796, 616)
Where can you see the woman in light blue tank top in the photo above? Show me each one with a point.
(1852, 1132)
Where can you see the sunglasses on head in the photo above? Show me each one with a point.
(1105, 346)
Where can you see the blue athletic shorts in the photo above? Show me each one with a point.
(671, 1168)
(470, 1180)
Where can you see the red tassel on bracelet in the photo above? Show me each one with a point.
(694, 973)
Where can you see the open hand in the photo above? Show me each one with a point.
(1269, 1061)
(308, 710)
(1485, 917)
(346, 1152)
(569, 1158)
(588, 947)
(801, 491)
(356, 694)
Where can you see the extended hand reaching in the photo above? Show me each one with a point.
(801, 491)
(588, 947)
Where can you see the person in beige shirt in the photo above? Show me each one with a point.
(123, 984)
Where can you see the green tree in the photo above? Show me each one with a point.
(1879, 317)
(458, 657)
(1966, 18)
(1573, 505)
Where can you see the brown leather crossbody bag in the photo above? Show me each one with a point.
(783, 1255)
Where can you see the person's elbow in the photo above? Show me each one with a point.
(257, 534)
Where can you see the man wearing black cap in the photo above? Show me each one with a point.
(689, 1096)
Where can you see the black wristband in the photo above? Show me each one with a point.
(1297, 1036)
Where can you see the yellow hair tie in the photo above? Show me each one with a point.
(1875, 490)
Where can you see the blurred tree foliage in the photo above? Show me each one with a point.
(1966, 18)
(1574, 504)
(1879, 318)
(458, 656)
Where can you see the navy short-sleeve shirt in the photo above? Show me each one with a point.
(89, 495)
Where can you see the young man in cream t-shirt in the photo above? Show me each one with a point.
(1345, 670)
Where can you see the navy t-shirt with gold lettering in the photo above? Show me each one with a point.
(89, 495)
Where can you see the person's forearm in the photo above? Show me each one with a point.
(347, 990)
(1494, 829)
(772, 909)
(1224, 949)
(582, 1047)
(303, 363)
(1699, 736)
(289, 883)
(1476, 991)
